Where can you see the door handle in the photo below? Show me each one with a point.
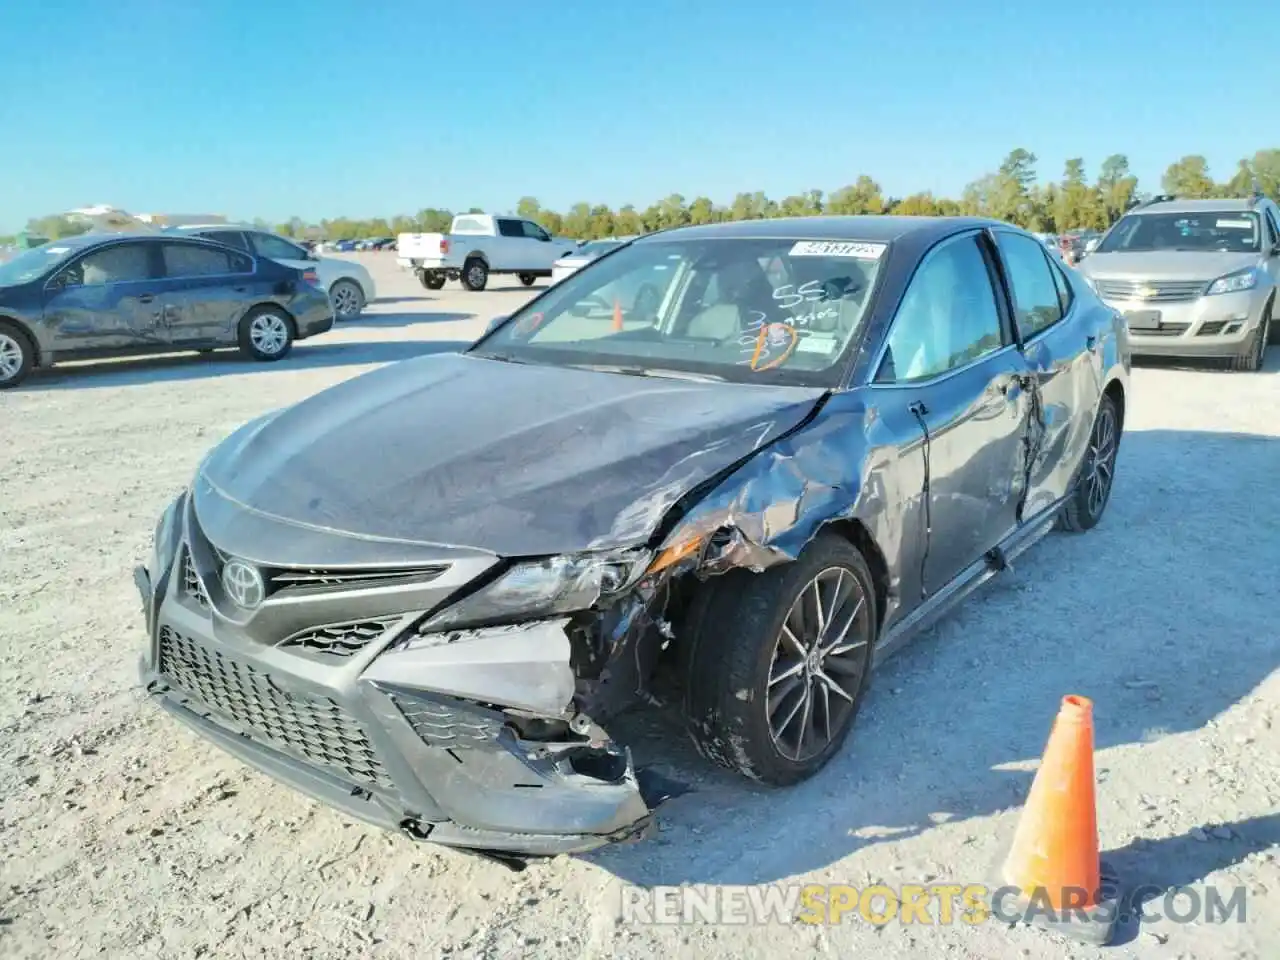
(1091, 343)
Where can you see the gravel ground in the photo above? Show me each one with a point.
(123, 835)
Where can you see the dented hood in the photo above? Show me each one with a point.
(517, 459)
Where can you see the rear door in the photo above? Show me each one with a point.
(510, 246)
(106, 299)
(951, 364)
(1063, 358)
(206, 290)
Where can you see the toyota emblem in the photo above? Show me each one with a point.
(243, 584)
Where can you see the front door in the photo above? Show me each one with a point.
(1064, 363)
(106, 300)
(951, 364)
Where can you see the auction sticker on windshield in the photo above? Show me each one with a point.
(830, 248)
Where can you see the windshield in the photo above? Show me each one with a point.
(1229, 231)
(30, 264)
(777, 311)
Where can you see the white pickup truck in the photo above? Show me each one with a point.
(478, 245)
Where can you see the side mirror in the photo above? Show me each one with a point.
(1092, 245)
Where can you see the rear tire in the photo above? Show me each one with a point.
(347, 299)
(528, 279)
(746, 683)
(1088, 500)
(475, 275)
(430, 280)
(266, 333)
(17, 355)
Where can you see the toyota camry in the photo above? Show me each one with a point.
(762, 454)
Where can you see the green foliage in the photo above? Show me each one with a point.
(1013, 192)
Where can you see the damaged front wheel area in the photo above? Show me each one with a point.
(779, 662)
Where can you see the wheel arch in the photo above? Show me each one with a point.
(476, 255)
(1115, 390)
(856, 532)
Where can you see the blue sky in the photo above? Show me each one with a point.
(332, 107)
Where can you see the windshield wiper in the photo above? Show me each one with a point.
(639, 371)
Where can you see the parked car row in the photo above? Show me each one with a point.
(101, 295)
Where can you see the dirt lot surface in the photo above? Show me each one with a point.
(123, 835)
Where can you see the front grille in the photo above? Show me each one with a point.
(284, 579)
(313, 728)
(192, 585)
(447, 721)
(340, 639)
(1151, 291)
(1164, 330)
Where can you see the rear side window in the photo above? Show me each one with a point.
(232, 238)
(192, 260)
(510, 228)
(948, 316)
(120, 263)
(1037, 300)
(275, 248)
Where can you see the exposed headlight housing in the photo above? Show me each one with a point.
(544, 588)
(1234, 282)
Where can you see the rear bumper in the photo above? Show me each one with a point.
(1210, 326)
(312, 314)
(371, 737)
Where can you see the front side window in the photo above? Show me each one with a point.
(276, 248)
(712, 307)
(533, 231)
(948, 316)
(119, 263)
(1225, 231)
(1037, 300)
(194, 260)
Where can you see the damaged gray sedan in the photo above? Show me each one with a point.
(761, 454)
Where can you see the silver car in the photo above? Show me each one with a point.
(1193, 278)
(587, 252)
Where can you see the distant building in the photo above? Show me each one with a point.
(106, 217)
(180, 219)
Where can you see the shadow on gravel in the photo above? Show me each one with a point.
(1164, 615)
(194, 366)
(1148, 869)
(403, 319)
(1269, 365)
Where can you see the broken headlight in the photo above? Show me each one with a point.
(544, 588)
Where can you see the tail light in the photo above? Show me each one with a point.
(311, 277)
(444, 244)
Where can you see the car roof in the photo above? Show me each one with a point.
(209, 226)
(885, 228)
(1195, 206)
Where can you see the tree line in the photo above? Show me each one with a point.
(1013, 192)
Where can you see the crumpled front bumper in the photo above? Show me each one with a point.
(412, 739)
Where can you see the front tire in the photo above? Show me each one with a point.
(779, 662)
(266, 333)
(1252, 359)
(1093, 486)
(475, 275)
(17, 355)
(528, 279)
(347, 299)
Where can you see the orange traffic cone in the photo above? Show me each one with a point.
(617, 314)
(1053, 862)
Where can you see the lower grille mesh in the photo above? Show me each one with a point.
(314, 728)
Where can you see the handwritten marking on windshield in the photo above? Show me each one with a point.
(770, 338)
(828, 248)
